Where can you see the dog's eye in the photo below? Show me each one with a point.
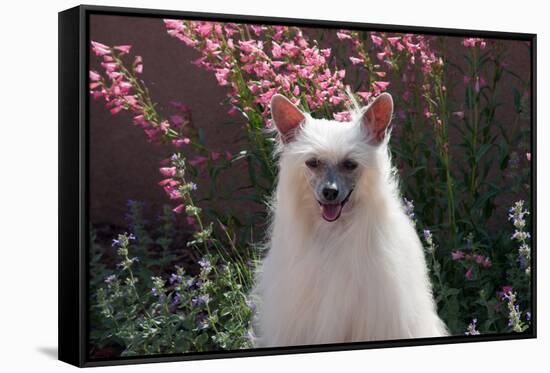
(313, 163)
(349, 165)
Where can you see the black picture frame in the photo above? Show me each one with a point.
(74, 183)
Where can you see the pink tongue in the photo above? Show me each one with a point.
(331, 212)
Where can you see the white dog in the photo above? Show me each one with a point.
(345, 263)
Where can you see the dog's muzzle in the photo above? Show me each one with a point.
(332, 211)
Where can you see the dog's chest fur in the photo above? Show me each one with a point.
(355, 281)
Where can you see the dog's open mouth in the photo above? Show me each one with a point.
(332, 211)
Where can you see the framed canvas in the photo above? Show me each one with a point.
(237, 185)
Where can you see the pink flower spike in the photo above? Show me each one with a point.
(179, 209)
(124, 49)
(168, 171)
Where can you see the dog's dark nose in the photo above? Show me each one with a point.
(330, 194)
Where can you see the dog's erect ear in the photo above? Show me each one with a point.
(286, 116)
(377, 117)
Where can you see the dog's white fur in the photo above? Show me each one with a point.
(360, 278)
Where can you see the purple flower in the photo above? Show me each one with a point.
(110, 279)
(200, 300)
(175, 278)
(409, 208)
(176, 299)
(205, 263)
(472, 328)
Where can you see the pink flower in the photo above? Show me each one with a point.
(180, 142)
(204, 28)
(326, 52)
(376, 39)
(469, 273)
(381, 55)
(191, 220)
(222, 75)
(479, 258)
(177, 120)
(179, 208)
(394, 40)
(109, 66)
(123, 49)
(459, 114)
(505, 290)
(364, 95)
(173, 23)
(469, 42)
(172, 193)
(168, 171)
(381, 86)
(528, 156)
(343, 116)
(457, 255)
(138, 65)
(168, 183)
(355, 60)
(164, 126)
(100, 49)
(94, 76)
(198, 160)
(140, 120)
(342, 35)
(257, 29)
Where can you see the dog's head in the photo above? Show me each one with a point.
(333, 156)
